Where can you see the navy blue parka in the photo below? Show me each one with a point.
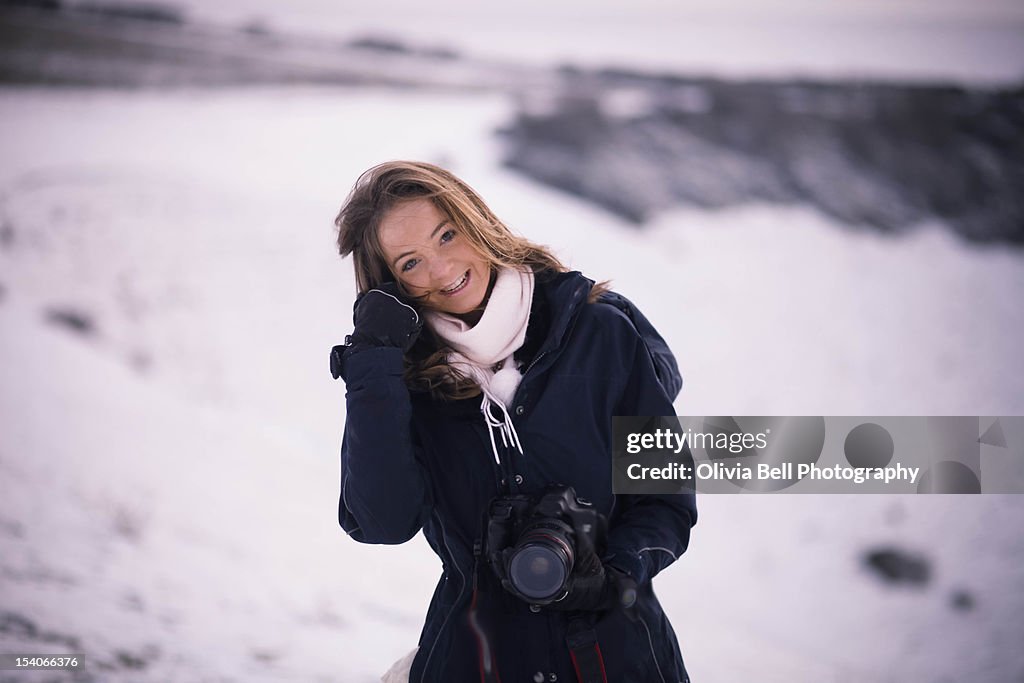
(409, 463)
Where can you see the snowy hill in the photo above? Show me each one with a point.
(169, 431)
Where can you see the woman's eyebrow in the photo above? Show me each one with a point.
(408, 253)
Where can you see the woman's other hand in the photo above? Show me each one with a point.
(595, 586)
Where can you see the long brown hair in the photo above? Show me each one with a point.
(386, 185)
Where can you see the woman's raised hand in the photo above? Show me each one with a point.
(382, 319)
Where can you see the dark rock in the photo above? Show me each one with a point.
(380, 44)
(76, 321)
(397, 47)
(961, 600)
(137, 660)
(898, 566)
(127, 524)
(22, 627)
(56, 638)
(143, 11)
(257, 28)
(880, 155)
(17, 625)
(264, 656)
(130, 661)
(33, 4)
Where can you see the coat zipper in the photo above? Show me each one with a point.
(529, 367)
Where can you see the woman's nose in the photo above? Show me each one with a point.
(440, 269)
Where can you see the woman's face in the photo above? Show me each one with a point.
(432, 259)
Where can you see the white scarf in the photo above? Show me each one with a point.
(484, 352)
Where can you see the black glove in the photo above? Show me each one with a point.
(595, 586)
(591, 592)
(381, 319)
(603, 590)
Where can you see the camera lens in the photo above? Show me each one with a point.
(542, 560)
(538, 571)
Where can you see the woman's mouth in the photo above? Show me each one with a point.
(456, 287)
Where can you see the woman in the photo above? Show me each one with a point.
(480, 369)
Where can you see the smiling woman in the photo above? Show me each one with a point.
(482, 379)
(434, 263)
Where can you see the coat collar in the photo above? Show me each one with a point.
(564, 294)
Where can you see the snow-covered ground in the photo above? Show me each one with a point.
(169, 479)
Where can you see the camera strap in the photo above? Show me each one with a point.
(585, 651)
(485, 654)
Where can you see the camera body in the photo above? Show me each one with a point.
(533, 541)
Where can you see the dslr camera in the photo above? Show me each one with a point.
(533, 541)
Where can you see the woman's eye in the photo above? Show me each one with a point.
(408, 265)
(447, 236)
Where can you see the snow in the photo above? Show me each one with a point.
(170, 481)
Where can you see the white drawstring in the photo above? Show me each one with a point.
(509, 436)
(485, 379)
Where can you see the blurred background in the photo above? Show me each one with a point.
(820, 205)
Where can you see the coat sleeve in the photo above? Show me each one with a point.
(384, 492)
(648, 532)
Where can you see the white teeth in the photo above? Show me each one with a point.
(458, 284)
